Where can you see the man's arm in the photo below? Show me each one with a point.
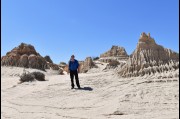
(78, 67)
(69, 66)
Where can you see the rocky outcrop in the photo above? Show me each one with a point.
(62, 64)
(52, 66)
(24, 55)
(48, 59)
(86, 65)
(149, 58)
(23, 49)
(115, 53)
(24, 61)
(60, 71)
(66, 68)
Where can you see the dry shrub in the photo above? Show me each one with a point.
(118, 113)
(114, 63)
(39, 76)
(26, 77)
(95, 58)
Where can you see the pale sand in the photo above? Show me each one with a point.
(105, 96)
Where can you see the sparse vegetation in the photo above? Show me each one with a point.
(26, 77)
(117, 113)
(95, 58)
(29, 77)
(62, 63)
(114, 63)
(39, 76)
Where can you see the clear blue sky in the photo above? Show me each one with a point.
(59, 28)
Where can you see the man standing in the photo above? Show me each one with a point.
(73, 68)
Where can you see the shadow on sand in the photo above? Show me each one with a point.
(85, 88)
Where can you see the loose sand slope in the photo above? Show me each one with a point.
(103, 95)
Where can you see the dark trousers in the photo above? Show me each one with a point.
(72, 74)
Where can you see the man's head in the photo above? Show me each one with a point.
(72, 57)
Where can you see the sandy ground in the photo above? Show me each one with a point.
(103, 96)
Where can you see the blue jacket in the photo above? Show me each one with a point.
(73, 65)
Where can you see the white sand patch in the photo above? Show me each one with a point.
(103, 96)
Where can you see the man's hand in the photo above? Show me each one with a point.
(68, 72)
(78, 69)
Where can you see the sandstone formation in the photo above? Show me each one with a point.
(149, 58)
(24, 55)
(60, 71)
(66, 68)
(52, 66)
(115, 53)
(86, 65)
(48, 59)
(62, 64)
(112, 64)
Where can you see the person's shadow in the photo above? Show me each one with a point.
(85, 88)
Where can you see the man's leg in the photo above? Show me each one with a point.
(72, 79)
(77, 79)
